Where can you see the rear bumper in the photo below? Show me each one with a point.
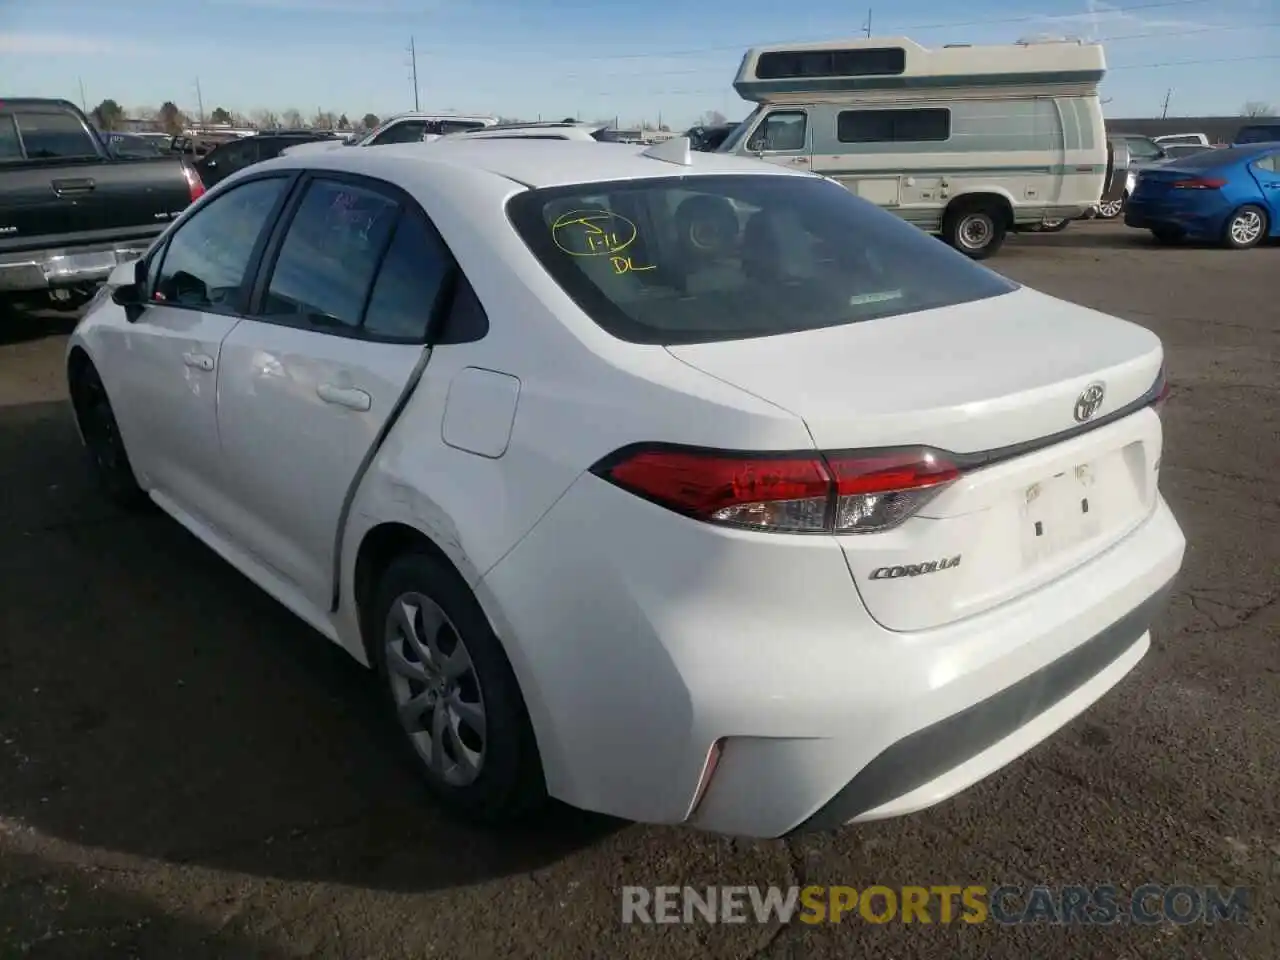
(913, 772)
(638, 650)
(1192, 223)
(66, 266)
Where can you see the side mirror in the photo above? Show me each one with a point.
(130, 295)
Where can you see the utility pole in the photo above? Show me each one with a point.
(200, 101)
(866, 27)
(1164, 111)
(83, 105)
(413, 61)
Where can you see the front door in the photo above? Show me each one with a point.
(783, 137)
(310, 381)
(168, 358)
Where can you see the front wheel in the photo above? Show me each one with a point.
(102, 438)
(453, 693)
(1245, 228)
(977, 232)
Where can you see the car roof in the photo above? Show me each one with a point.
(534, 163)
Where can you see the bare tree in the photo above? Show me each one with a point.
(1257, 108)
(266, 119)
(238, 119)
(292, 118)
(713, 118)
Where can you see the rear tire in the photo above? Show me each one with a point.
(1245, 228)
(1110, 209)
(102, 439)
(452, 693)
(977, 229)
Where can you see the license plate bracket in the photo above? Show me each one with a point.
(1059, 512)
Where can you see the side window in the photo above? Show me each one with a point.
(411, 131)
(208, 256)
(781, 130)
(408, 283)
(1271, 164)
(235, 156)
(10, 146)
(329, 255)
(466, 321)
(53, 136)
(893, 126)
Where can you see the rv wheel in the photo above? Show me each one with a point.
(976, 231)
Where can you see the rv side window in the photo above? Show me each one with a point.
(793, 64)
(780, 130)
(893, 126)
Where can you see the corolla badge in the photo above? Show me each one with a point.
(1090, 401)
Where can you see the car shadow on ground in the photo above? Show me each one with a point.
(160, 705)
(19, 325)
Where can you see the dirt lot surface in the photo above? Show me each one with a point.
(187, 771)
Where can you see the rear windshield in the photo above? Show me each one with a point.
(1214, 158)
(696, 259)
(1259, 133)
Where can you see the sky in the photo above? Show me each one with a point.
(672, 60)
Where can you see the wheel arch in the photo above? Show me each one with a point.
(986, 197)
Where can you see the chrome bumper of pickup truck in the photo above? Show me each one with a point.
(47, 269)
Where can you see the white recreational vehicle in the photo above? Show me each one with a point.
(966, 141)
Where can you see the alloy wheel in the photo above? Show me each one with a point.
(435, 689)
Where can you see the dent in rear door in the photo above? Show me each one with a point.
(312, 383)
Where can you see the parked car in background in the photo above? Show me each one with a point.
(71, 209)
(1141, 151)
(404, 128)
(1183, 139)
(643, 477)
(1227, 196)
(132, 145)
(234, 155)
(707, 138)
(543, 130)
(1261, 131)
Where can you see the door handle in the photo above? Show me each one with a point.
(63, 187)
(799, 159)
(344, 396)
(199, 361)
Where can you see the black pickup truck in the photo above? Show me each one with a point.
(71, 209)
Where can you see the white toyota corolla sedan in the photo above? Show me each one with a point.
(674, 486)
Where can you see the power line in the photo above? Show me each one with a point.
(1153, 34)
(900, 28)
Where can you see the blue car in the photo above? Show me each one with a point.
(1227, 196)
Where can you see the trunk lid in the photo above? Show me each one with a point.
(997, 383)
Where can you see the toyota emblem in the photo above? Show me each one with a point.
(1089, 402)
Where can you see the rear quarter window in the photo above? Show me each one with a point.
(705, 258)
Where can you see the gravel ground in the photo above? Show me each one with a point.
(188, 771)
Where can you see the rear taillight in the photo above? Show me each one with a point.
(784, 493)
(195, 186)
(1199, 183)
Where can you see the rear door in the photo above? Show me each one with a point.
(1266, 171)
(309, 382)
(29, 207)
